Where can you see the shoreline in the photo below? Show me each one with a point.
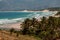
(28, 11)
(15, 26)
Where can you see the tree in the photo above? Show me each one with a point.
(46, 29)
(26, 24)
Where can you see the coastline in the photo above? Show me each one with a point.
(28, 11)
(15, 26)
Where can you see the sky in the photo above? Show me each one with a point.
(27, 4)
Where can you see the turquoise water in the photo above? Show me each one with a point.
(11, 17)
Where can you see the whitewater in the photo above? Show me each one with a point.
(7, 17)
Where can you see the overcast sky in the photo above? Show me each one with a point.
(28, 4)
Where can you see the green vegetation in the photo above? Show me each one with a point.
(11, 31)
(46, 29)
(14, 31)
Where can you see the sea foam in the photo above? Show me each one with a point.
(6, 21)
(33, 14)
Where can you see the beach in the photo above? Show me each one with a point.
(14, 19)
(16, 26)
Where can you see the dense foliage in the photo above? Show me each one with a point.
(46, 29)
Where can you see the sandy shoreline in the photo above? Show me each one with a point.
(18, 24)
(13, 25)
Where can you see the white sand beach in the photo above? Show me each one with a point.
(12, 25)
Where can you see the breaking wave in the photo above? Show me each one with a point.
(30, 15)
(6, 21)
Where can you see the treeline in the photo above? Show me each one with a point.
(46, 29)
(54, 9)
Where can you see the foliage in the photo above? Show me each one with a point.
(46, 29)
(11, 30)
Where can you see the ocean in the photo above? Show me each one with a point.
(13, 17)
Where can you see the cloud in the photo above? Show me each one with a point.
(0, 0)
(27, 4)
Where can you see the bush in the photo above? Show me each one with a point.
(44, 29)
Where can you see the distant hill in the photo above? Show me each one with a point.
(54, 9)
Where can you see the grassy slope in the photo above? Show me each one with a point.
(4, 35)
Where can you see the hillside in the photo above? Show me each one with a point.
(5, 35)
(54, 9)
